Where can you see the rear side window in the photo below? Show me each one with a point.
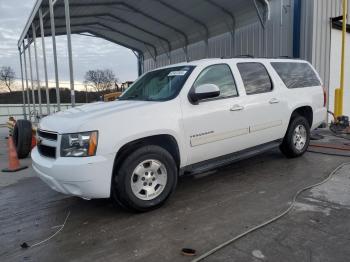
(221, 76)
(255, 78)
(296, 75)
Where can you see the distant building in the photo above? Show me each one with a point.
(126, 85)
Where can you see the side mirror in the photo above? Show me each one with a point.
(204, 92)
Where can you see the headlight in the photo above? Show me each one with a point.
(79, 144)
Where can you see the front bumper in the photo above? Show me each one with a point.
(86, 177)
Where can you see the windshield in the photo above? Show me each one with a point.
(159, 85)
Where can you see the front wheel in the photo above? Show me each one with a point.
(145, 179)
(297, 138)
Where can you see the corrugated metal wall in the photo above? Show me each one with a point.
(248, 40)
(307, 10)
(316, 37)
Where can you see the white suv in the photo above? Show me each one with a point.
(180, 119)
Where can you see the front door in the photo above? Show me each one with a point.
(216, 126)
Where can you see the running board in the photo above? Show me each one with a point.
(225, 160)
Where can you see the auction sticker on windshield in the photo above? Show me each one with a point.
(177, 73)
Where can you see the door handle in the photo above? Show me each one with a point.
(274, 101)
(236, 108)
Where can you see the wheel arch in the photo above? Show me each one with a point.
(305, 111)
(166, 141)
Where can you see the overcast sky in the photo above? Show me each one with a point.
(89, 53)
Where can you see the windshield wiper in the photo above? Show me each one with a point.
(136, 97)
(129, 98)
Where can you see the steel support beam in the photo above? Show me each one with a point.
(41, 22)
(136, 10)
(231, 27)
(37, 71)
(111, 29)
(192, 18)
(134, 38)
(185, 48)
(31, 79)
(23, 93)
(158, 21)
(70, 54)
(119, 19)
(262, 26)
(139, 63)
(53, 33)
(259, 14)
(93, 32)
(26, 77)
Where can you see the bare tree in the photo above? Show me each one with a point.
(7, 77)
(100, 80)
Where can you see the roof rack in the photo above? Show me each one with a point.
(285, 56)
(244, 56)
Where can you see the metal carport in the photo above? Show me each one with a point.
(148, 27)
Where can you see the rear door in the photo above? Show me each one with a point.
(265, 103)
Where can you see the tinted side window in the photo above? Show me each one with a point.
(296, 75)
(255, 78)
(221, 76)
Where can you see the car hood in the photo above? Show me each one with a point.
(72, 119)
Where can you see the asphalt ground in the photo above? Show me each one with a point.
(205, 211)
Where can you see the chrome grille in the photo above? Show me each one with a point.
(47, 135)
(47, 143)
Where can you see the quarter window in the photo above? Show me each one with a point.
(255, 78)
(296, 75)
(221, 76)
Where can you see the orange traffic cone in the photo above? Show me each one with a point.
(33, 141)
(13, 159)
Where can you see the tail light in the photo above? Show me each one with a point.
(324, 96)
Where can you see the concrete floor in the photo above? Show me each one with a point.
(205, 211)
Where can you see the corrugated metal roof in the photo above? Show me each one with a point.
(150, 26)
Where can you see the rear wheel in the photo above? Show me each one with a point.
(297, 138)
(145, 179)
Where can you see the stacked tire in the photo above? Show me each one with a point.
(22, 137)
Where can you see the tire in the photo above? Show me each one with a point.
(295, 143)
(22, 137)
(145, 180)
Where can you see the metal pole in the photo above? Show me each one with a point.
(233, 45)
(70, 55)
(342, 68)
(53, 33)
(259, 14)
(23, 95)
(31, 77)
(86, 95)
(139, 70)
(26, 76)
(142, 63)
(37, 71)
(265, 41)
(206, 41)
(186, 53)
(45, 63)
